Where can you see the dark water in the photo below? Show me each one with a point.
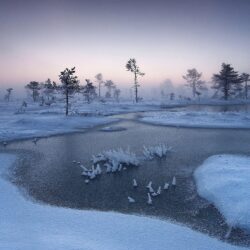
(47, 173)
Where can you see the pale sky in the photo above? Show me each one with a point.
(40, 38)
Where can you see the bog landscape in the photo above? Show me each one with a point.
(124, 125)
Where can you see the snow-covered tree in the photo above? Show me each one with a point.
(117, 93)
(89, 91)
(34, 87)
(49, 89)
(69, 85)
(172, 96)
(193, 78)
(134, 68)
(99, 79)
(7, 96)
(166, 88)
(227, 81)
(109, 85)
(245, 78)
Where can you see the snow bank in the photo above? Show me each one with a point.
(38, 121)
(199, 119)
(224, 181)
(25, 225)
(27, 126)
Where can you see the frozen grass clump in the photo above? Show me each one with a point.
(159, 150)
(114, 159)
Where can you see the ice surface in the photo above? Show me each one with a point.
(29, 226)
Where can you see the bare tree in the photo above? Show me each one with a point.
(99, 79)
(134, 68)
(69, 85)
(193, 78)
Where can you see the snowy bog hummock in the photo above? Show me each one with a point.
(27, 225)
(199, 119)
(224, 180)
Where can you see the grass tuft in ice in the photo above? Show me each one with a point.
(159, 150)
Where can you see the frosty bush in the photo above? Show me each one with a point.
(159, 150)
(113, 159)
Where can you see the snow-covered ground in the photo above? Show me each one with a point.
(27, 225)
(199, 119)
(224, 180)
(38, 121)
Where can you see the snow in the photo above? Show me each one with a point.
(27, 225)
(199, 119)
(224, 181)
(112, 129)
(40, 121)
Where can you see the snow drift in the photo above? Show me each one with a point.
(224, 181)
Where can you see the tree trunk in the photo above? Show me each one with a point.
(33, 95)
(226, 89)
(194, 90)
(67, 102)
(246, 89)
(136, 90)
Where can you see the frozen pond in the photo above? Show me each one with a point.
(46, 171)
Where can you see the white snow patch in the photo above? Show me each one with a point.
(199, 119)
(224, 180)
(112, 129)
(26, 225)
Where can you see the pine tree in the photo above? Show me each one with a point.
(69, 85)
(245, 78)
(117, 93)
(109, 84)
(99, 79)
(227, 81)
(49, 89)
(89, 91)
(7, 96)
(34, 87)
(193, 78)
(134, 68)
